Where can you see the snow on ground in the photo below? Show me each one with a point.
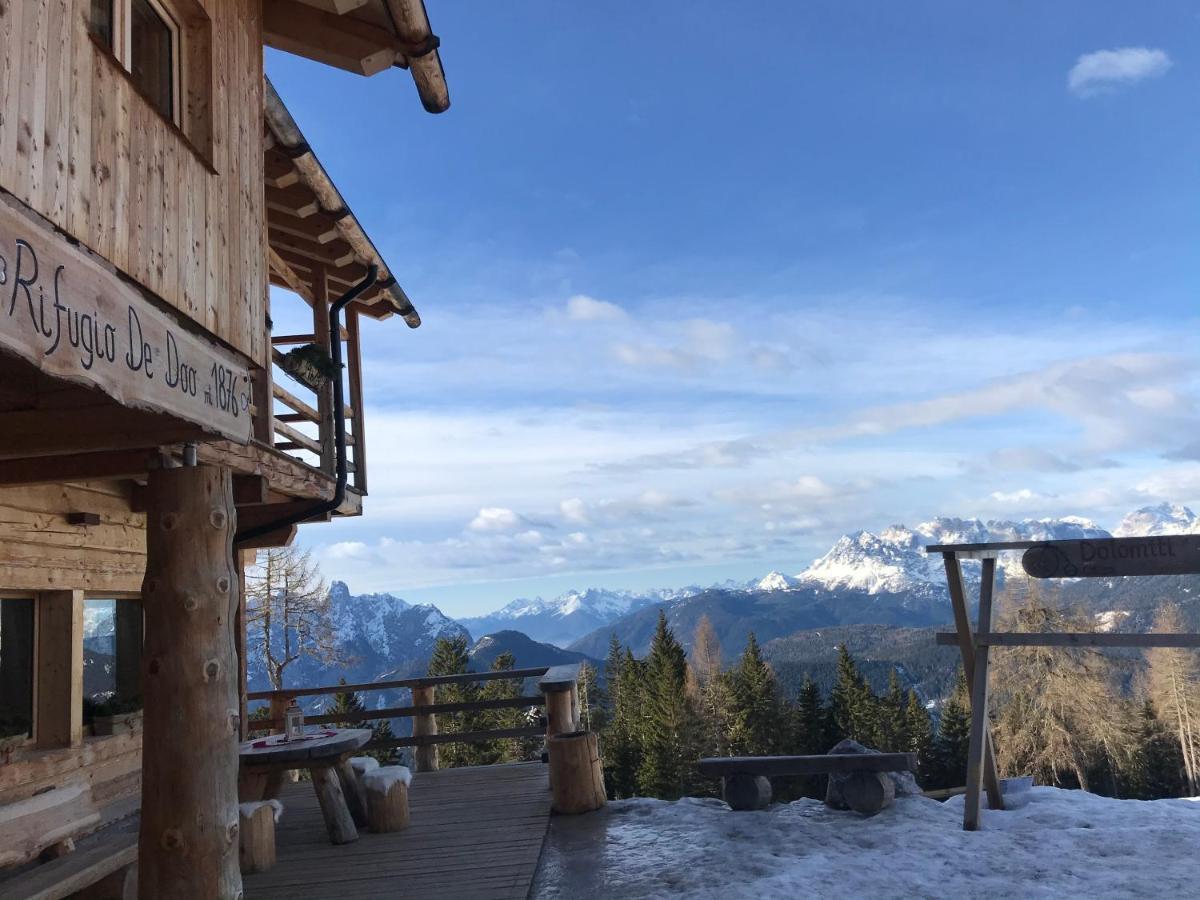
(1061, 844)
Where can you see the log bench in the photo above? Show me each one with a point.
(104, 869)
(863, 784)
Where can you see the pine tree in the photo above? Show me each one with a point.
(947, 764)
(505, 749)
(757, 723)
(918, 730)
(344, 703)
(810, 737)
(349, 703)
(452, 657)
(892, 733)
(593, 704)
(667, 765)
(852, 712)
(1156, 769)
(620, 743)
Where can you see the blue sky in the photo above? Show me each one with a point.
(704, 287)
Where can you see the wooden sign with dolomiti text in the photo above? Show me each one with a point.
(1174, 554)
(72, 318)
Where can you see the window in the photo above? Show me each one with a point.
(16, 667)
(146, 39)
(112, 655)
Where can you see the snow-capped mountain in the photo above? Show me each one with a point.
(773, 581)
(372, 636)
(894, 560)
(570, 615)
(1166, 518)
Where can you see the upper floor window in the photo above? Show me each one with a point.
(145, 36)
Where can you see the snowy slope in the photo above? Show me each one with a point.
(569, 616)
(1166, 518)
(895, 561)
(1060, 844)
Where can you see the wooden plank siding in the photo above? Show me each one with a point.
(473, 833)
(80, 146)
(43, 552)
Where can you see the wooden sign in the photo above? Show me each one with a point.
(72, 318)
(1176, 554)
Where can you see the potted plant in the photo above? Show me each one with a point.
(113, 715)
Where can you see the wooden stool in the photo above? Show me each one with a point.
(256, 829)
(361, 766)
(576, 777)
(387, 798)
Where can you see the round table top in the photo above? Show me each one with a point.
(316, 746)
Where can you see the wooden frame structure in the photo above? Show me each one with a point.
(150, 444)
(1084, 558)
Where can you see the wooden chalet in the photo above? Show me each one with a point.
(153, 189)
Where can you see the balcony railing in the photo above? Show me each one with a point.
(558, 693)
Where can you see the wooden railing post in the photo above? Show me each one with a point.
(325, 393)
(279, 705)
(560, 686)
(425, 758)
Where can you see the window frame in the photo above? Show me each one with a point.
(122, 49)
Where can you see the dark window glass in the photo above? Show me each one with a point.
(101, 21)
(151, 59)
(16, 668)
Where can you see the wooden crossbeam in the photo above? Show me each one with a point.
(1077, 639)
(335, 255)
(334, 40)
(115, 464)
(298, 201)
(318, 227)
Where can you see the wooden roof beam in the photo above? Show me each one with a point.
(320, 228)
(337, 7)
(296, 201)
(334, 255)
(334, 40)
(113, 464)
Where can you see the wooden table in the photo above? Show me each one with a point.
(326, 755)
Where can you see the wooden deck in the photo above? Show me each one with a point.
(474, 833)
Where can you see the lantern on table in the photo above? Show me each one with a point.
(293, 722)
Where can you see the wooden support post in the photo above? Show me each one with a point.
(387, 799)
(188, 842)
(325, 392)
(127, 637)
(560, 712)
(979, 701)
(58, 686)
(425, 759)
(245, 558)
(966, 646)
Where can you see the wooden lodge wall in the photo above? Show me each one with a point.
(81, 146)
(43, 552)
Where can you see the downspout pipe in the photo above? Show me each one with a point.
(339, 421)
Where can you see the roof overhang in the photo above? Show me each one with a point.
(311, 229)
(362, 36)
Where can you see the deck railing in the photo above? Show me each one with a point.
(301, 419)
(558, 693)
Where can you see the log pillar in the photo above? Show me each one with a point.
(188, 843)
(58, 719)
(425, 759)
(560, 711)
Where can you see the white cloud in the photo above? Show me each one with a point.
(1105, 70)
(574, 510)
(494, 518)
(1024, 495)
(582, 308)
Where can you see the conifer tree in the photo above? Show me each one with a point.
(621, 742)
(593, 703)
(1156, 768)
(757, 723)
(668, 750)
(452, 657)
(348, 703)
(810, 735)
(505, 749)
(918, 730)
(892, 732)
(852, 711)
(947, 763)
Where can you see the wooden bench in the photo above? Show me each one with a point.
(105, 867)
(861, 780)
